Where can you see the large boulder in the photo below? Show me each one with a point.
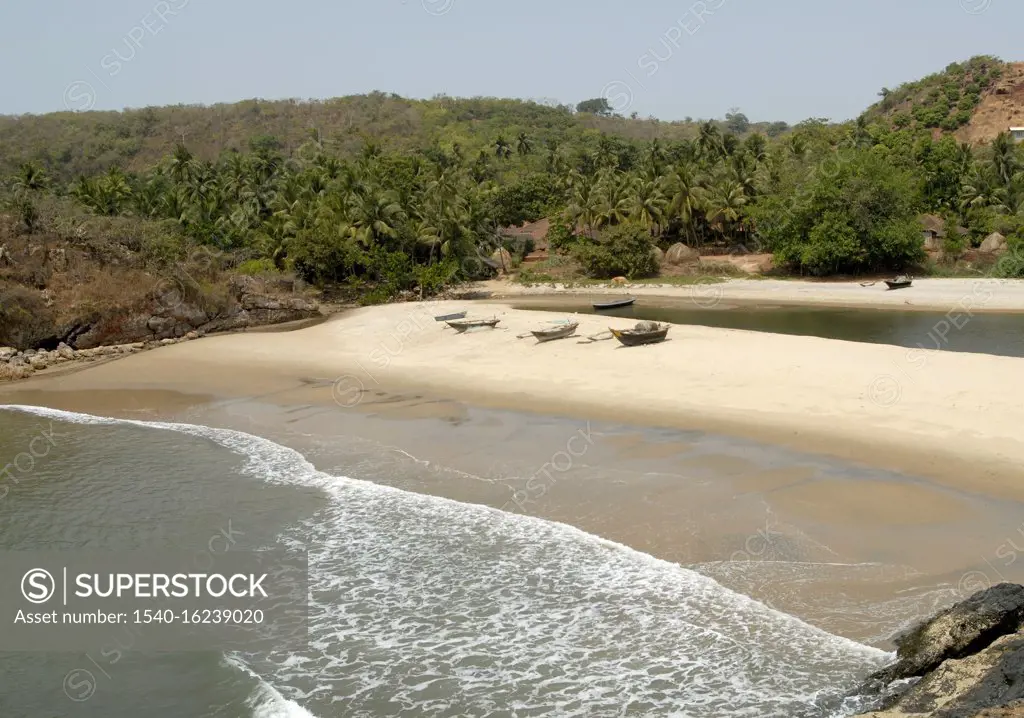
(7, 353)
(932, 244)
(13, 372)
(993, 243)
(679, 254)
(503, 259)
(966, 658)
(659, 256)
(959, 630)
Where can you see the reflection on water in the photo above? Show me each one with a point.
(956, 331)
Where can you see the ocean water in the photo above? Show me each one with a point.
(419, 605)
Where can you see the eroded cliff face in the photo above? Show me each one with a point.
(965, 662)
(89, 286)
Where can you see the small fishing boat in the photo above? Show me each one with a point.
(559, 332)
(461, 325)
(901, 282)
(449, 317)
(642, 333)
(614, 305)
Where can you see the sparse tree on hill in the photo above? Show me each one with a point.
(523, 144)
(502, 148)
(595, 106)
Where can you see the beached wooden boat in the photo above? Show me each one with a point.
(461, 325)
(642, 333)
(900, 282)
(614, 305)
(559, 332)
(449, 317)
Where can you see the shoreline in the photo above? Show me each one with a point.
(945, 415)
(953, 296)
(801, 533)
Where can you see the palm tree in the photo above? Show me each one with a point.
(523, 145)
(709, 141)
(614, 190)
(147, 196)
(1004, 157)
(181, 164)
(554, 162)
(481, 169)
(376, 217)
(742, 174)
(798, 146)
(725, 205)
(30, 178)
(686, 198)
(655, 157)
(502, 148)
(584, 204)
(275, 236)
(648, 203)
(730, 143)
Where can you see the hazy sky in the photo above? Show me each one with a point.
(775, 59)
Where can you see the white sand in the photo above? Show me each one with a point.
(945, 295)
(951, 415)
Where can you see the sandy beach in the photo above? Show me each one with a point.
(904, 481)
(957, 296)
(948, 415)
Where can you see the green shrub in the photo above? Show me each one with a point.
(529, 276)
(954, 244)
(861, 217)
(624, 250)
(1011, 264)
(253, 267)
(433, 278)
(561, 237)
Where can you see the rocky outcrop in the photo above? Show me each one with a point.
(169, 314)
(168, 318)
(965, 662)
(23, 364)
(679, 254)
(658, 254)
(993, 243)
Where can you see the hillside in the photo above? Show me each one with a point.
(1002, 106)
(974, 100)
(69, 144)
(103, 216)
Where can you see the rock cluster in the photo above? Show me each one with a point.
(15, 364)
(965, 662)
(170, 318)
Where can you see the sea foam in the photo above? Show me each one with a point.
(425, 606)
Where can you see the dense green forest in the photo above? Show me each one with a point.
(405, 208)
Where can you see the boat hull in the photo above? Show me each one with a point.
(449, 317)
(472, 323)
(548, 335)
(898, 285)
(614, 305)
(634, 339)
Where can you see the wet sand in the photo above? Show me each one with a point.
(854, 550)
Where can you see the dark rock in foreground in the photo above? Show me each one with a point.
(965, 662)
